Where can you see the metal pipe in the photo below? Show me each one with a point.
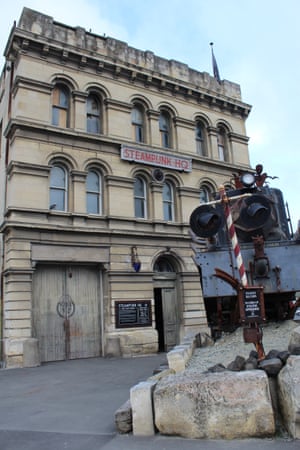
(234, 197)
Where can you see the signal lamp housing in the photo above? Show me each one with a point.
(256, 212)
(205, 221)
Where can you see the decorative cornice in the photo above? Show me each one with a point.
(110, 57)
(117, 105)
(28, 168)
(36, 85)
(238, 137)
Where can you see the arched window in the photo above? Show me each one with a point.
(200, 139)
(165, 129)
(206, 193)
(168, 201)
(58, 188)
(93, 114)
(137, 120)
(222, 144)
(93, 192)
(60, 106)
(140, 198)
(163, 264)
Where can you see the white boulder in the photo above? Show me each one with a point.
(289, 395)
(227, 405)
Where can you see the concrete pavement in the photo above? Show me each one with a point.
(71, 405)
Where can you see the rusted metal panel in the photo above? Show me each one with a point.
(283, 260)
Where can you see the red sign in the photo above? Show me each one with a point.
(156, 159)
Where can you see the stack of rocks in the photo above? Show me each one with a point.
(272, 364)
(241, 398)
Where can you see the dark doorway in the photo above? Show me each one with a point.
(159, 319)
(166, 317)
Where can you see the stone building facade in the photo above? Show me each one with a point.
(105, 152)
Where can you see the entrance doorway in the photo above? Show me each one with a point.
(166, 318)
(166, 303)
(66, 311)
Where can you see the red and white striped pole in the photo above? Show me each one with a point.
(233, 237)
(240, 264)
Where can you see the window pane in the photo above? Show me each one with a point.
(93, 115)
(199, 132)
(168, 203)
(165, 140)
(93, 188)
(139, 188)
(221, 137)
(164, 127)
(167, 192)
(163, 265)
(221, 152)
(58, 188)
(199, 147)
(57, 199)
(92, 203)
(92, 105)
(92, 125)
(60, 106)
(200, 135)
(59, 117)
(168, 212)
(92, 182)
(137, 116)
(63, 98)
(57, 177)
(55, 116)
(63, 118)
(139, 207)
(204, 195)
(138, 133)
(56, 96)
(139, 198)
(137, 122)
(163, 122)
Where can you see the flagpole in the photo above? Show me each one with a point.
(214, 64)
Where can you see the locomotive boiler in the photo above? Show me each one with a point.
(269, 250)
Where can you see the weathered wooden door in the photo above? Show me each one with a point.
(169, 306)
(166, 317)
(66, 312)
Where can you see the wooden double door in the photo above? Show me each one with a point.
(66, 311)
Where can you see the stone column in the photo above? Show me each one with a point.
(79, 110)
(79, 191)
(20, 349)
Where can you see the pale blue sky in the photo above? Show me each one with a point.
(256, 44)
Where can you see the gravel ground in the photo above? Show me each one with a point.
(275, 336)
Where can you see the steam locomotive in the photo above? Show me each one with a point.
(269, 250)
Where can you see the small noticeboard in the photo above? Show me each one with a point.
(133, 314)
(251, 303)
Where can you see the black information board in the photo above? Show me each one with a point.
(251, 302)
(133, 314)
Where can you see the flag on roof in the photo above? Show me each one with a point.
(215, 65)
